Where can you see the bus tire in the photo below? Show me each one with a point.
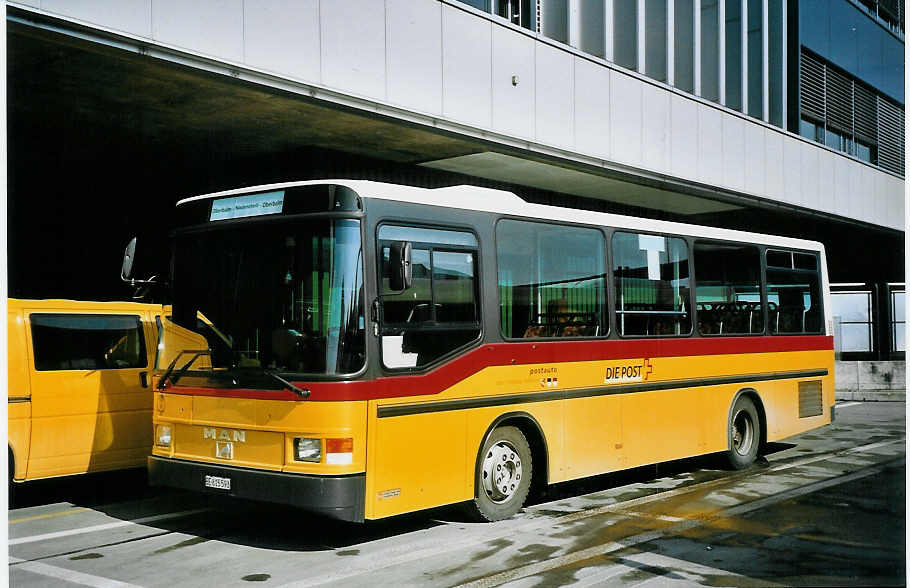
(743, 434)
(504, 474)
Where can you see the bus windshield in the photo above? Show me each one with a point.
(281, 297)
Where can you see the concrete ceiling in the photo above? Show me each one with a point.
(524, 172)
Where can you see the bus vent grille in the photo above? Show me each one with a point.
(810, 398)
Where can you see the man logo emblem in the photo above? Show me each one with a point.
(224, 435)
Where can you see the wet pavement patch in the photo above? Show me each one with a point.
(187, 543)
(348, 552)
(256, 577)
(86, 556)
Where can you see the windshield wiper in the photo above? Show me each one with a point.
(302, 392)
(183, 370)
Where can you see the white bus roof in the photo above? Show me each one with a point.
(474, 198)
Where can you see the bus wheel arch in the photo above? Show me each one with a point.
(532, 434)
(747, 429)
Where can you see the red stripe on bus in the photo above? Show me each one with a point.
(498, 354)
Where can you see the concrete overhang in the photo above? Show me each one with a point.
(85, 83)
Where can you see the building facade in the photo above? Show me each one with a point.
(777, 116)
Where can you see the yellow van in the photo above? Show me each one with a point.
(80, 386)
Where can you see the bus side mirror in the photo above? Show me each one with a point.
(400, 274)
(129, 253)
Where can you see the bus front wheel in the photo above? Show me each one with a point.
(744, 434)
(503, 475)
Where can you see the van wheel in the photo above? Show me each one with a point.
(503, 476)
(744, 434)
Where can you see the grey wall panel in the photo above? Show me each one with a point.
(513, 103)
(683, 136)
(466, 67)
(131, 16)
(808, 158)
(210, 27)
(858, 195)
(754, 165)
(881, 203)
(867, 189)
(353, 46)
(734, 152)
(592, 108)
(826, 163)
(655, 127)
(710, 145)
(792, 171)
(414, 54)
(841, 187)
(774, 164)
(554, 96)
(282, 37)
(625, 115)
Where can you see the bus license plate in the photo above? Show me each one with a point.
(217, 482)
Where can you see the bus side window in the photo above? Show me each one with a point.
(651, 273)
(551, 280)
(439, 312)
(728, 288)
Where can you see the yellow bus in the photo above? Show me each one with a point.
(386, 349)
(80, 395)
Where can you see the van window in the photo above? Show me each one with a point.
(87, 342)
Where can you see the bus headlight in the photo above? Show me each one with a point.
(163, 436)
(307, 449)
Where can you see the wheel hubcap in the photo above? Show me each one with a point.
(501, 472)
(741, 432)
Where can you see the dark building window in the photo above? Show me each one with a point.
(710, 44)
(845, 114)
(734, 54)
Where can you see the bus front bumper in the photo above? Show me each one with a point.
(337, 497)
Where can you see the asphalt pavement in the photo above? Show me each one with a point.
(820, 509)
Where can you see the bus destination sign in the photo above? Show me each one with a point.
(247, 205)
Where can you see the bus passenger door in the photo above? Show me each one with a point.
(91, 400)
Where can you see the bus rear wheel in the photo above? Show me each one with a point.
(503, 476)
(744, 434)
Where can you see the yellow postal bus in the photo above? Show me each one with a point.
(385, 349)
(80, 396)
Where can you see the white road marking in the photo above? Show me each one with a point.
(105, 527)
(398, 555)
(599, 550)
(846, 404)
(75, 577)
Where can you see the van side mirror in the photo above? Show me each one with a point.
(129, 254)
(400, 273)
